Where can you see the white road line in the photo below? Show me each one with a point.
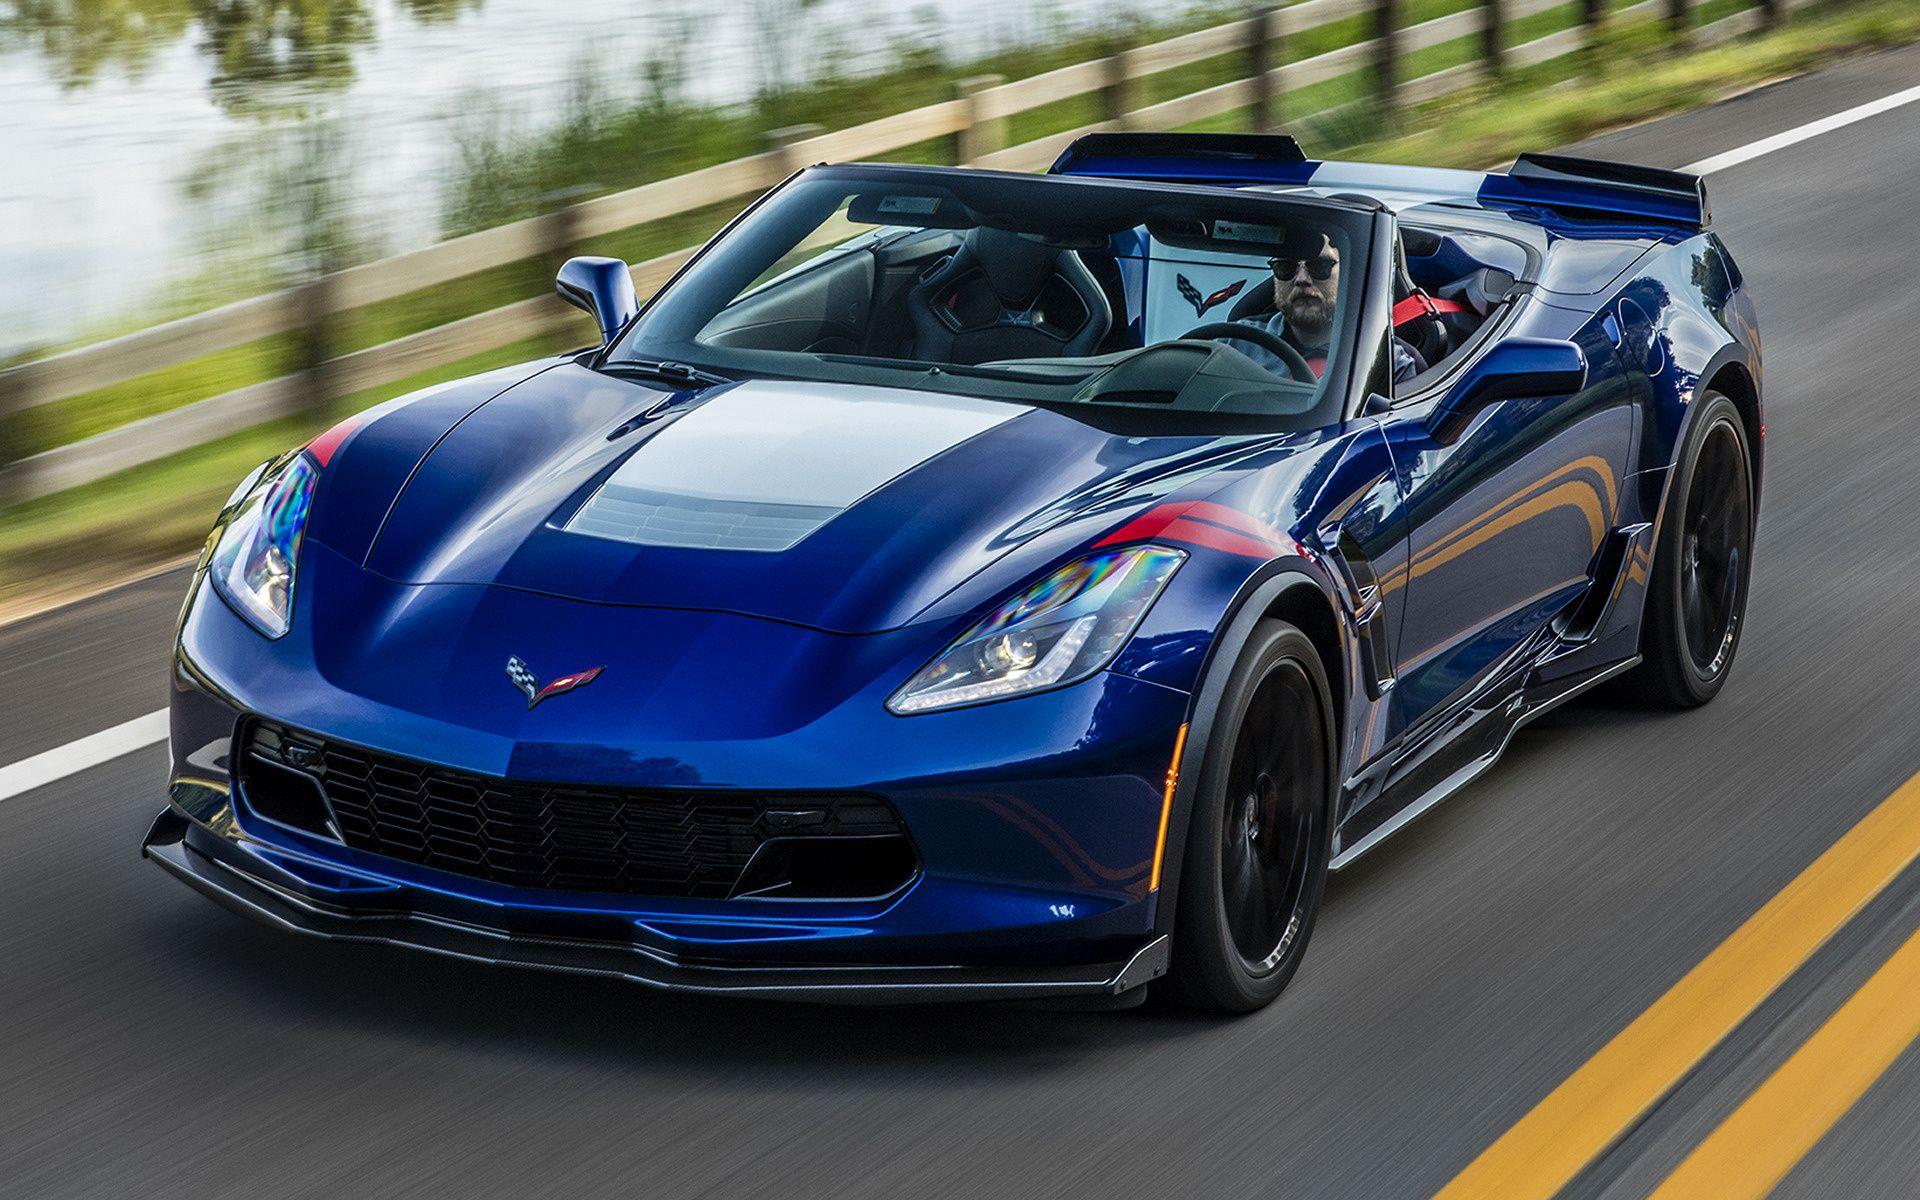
(56, 764)
(1792, 137)
(92, 750)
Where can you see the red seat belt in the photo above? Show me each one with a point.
(1419, 304)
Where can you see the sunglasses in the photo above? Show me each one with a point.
(1320, 267)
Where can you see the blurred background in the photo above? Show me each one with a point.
(226, 223)
(196, 151)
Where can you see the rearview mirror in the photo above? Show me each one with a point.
(602, 286)
(1516, 369)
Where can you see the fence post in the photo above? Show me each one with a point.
(314, 303)
(1263, 60)
(982, 133)
(1679, 20)
(1770, 14)
(1493, 37)
(1386, 59)
(1116, 93)
(560, 228)
(785, 143)
(16, 388)
(560, 241)
(1593, 19)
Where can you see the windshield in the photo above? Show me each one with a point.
(1034, 288)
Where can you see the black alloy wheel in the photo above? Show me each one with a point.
(1714, 548)
(1703, 564)
(1259, 839)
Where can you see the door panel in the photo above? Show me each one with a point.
(1503, 526)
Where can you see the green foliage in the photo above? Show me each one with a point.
(260, 54)
(605, 145)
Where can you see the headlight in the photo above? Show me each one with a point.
(1060, 630)
(252, 565)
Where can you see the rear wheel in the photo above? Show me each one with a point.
(1697, 596)
(1260, 836)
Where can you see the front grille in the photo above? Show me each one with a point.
(645, 842)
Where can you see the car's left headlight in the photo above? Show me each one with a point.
(252, 564)
(1059, 631)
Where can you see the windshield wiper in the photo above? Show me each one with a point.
(1063, 374)
(666, 371)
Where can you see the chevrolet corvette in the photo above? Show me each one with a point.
(966, 585)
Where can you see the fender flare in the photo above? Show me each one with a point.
(1732, 353)
(1245, 614)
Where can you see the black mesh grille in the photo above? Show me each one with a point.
(652, 842)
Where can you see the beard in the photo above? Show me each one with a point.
(1308, 314)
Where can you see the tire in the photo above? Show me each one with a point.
(1259, 840)
(1697, 596)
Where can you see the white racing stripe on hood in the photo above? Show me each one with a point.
(766, 463)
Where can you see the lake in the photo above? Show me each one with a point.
(144, 148)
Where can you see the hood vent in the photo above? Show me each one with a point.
(647, 518)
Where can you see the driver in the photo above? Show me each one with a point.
(1304, 294)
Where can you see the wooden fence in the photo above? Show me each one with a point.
(976, 118)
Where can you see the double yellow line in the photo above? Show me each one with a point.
(1775, 1127)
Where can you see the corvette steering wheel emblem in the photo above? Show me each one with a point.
(531, 687)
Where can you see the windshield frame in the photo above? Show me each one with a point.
(1333, 404)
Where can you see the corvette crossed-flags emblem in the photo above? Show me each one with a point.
(1201, 304)
(531, 687)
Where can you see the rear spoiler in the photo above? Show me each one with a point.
(1561, 181)
(1577, 186)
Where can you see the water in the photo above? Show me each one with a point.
(145, 144)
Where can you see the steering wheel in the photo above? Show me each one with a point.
(1266, 339)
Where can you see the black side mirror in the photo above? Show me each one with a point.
(602, 286)
(1516, 369)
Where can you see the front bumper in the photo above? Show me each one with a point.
(218, 867)
(1034, 821)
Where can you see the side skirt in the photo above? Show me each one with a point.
(1494, 731)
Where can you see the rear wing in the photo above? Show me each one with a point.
(1562, 181)
(1575, 186)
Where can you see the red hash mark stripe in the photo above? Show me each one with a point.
(323, 447)
(1202, 523)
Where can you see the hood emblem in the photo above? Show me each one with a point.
(531, 687)
(1202, 303)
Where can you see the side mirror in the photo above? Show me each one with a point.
(602, 286)
(1516, 369)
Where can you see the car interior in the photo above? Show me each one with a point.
(1128, 315)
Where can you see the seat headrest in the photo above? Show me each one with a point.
(1016, 268)
(1255, 301)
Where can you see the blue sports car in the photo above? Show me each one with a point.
(967, 585)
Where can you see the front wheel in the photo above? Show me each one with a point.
(1261, 831)
(1697, 596)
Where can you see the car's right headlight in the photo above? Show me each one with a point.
(1060, 630)
(253, 562)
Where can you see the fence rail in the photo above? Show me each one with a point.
(976, 119)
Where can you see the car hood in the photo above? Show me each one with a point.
(847, 508)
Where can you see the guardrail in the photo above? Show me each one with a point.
(976, 118)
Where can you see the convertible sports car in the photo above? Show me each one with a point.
(968, 585)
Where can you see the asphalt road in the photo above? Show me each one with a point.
(152, 1044)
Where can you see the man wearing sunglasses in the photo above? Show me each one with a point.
(1305, 293)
